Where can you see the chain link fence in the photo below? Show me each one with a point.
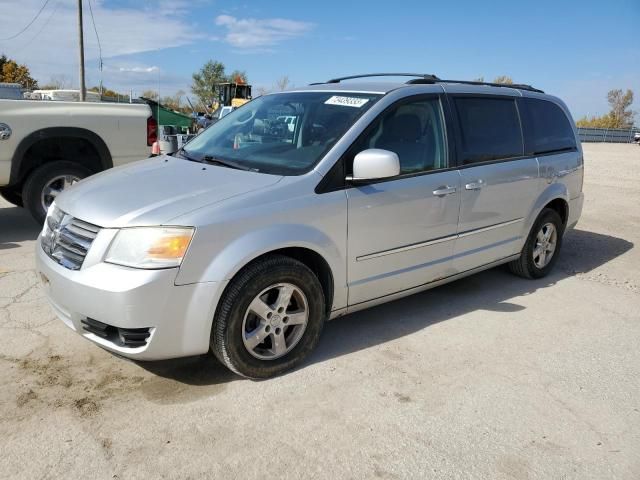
(609, 135)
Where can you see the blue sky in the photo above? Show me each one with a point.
(576, 50)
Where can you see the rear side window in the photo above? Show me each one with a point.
(489, 129)
(546, 127)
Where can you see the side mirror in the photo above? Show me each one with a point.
(373, 164)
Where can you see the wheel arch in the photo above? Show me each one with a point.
(555, 196)
(305, 244)
(22, 164)
(314, 261)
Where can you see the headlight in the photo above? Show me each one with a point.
(150, 247)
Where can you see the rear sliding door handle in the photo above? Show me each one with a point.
(445, 190)
(477, 185)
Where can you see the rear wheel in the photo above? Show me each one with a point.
(47, 182)
(12, 196)
(540, 252)
(269, 319)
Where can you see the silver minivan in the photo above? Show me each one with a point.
(252, 235)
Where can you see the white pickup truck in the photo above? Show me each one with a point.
(47, 146)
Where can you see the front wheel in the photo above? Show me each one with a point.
(541, 250)
(47, 182)
(269, 319)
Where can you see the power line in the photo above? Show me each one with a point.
(28, 25)
(96, 30)
(44, 25)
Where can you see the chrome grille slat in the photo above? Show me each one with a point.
(62, 253)
(71, 248)
(85, 226)
(68, 240)
(81, 232)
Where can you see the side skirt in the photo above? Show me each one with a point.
(419, 288)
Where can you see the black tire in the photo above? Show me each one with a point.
(35, 184)
(227, 332)
(525, 266)
(12, 196)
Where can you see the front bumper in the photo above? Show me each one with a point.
(179, 318)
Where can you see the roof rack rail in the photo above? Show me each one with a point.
(422, 76)
(428, 78)
(519, 86)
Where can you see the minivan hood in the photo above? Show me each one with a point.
(154, 191)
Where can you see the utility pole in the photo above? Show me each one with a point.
(83, 87)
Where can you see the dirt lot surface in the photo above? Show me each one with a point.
(489, 377)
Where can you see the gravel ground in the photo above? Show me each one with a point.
(489, 377)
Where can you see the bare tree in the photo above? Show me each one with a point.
(151, 94)
(479, 79)
(283, 83)
(262, 91)
(504, 79)
(57, 82)
(620, 113)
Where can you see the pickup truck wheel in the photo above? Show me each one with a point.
(269, 319)
(47, 182)
(541, 250)
(11, 196)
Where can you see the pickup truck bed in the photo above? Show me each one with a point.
(45, 145)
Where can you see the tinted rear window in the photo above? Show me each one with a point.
(547, 128)
(489, 129)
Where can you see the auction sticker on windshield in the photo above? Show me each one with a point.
(346, 101)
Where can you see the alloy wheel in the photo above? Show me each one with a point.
(55, 187)
(545, 246)
(275, 321)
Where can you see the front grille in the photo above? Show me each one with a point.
(67, 240)
(123, 337)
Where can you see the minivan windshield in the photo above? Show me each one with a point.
(282, 134)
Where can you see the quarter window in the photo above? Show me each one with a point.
(489, 129)
(547, 128)
(414, 131)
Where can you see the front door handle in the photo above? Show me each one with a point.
(445, 190)
(477, 185)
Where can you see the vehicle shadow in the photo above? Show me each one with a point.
(491, 290)
(16, 225)
(196, 371)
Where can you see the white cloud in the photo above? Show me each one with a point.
(50, 47)
(252, 33)
(139, 69)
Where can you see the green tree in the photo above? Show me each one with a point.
(12, 72)
(205, 81)
(604, 121)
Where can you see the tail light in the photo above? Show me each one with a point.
(152, 131)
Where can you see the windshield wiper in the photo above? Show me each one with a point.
(213, 161)
(224, 163)
(182, 152)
